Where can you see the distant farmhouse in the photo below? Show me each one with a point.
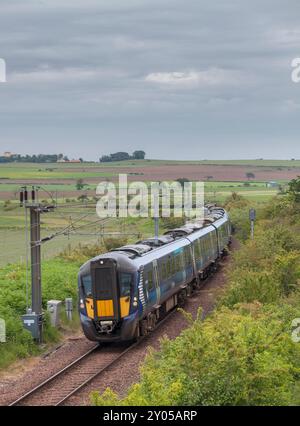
(8, 154)
(272, 184)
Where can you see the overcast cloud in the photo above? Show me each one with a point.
(180, 79)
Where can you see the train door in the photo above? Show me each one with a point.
(150, 277)
(157, 280)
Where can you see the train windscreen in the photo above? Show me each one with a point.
(87, 285)
(104, 283)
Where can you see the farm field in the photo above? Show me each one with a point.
(58, 182)
(60, 179)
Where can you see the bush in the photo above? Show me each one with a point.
(239, 357)
(81, 253)
(113, 243)
(235, 201)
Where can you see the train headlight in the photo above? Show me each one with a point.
(135, 302)
(81, 304)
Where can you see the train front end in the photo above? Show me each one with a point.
(108, 299)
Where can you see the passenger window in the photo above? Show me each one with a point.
(189, 257)
(125, 284)
(196, 249)
(169, 267)
(173, 265)
(163, 271)
(177, 263)
(176, 268)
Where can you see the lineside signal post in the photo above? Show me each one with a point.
(33, 320)
(252, 217)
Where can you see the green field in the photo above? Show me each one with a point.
(58, 181)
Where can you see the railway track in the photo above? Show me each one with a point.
(55, 390)
(58, 388)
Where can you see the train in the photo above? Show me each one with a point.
(125, 292)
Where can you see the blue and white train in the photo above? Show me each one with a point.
(125, 292)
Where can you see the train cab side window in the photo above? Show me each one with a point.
(87, 285)
(125, 284)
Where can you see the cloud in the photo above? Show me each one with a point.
(186, 79)
(2, 71)
(46, 74)
(149, 74)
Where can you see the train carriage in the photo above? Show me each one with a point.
(123, 293)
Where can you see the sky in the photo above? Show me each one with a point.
(191, 79)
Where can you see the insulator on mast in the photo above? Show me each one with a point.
(21, 197)
(33, 194)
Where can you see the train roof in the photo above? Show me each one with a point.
(146, 250)
(213, 216)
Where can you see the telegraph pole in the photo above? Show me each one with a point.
(35, 246)
(33, 319)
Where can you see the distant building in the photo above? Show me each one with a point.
(272, 184)
(74, 161)
(8, 154)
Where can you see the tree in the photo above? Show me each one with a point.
(250, 175)
(117, 156)
(139, 155)
(182, 181)
(80, 184)
(105, 159)
(120, 156)
(294, 189)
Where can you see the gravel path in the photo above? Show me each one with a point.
(126, 371)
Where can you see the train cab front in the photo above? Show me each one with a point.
(108, 302)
